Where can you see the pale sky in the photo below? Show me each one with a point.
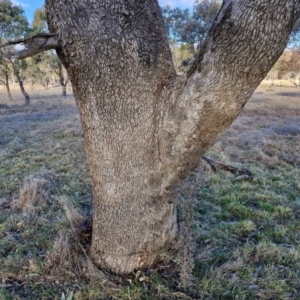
(31, 5)
(177, 3)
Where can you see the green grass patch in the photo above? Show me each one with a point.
(244, 234)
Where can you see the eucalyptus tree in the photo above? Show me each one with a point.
(145, 127)
(187, 29)
(13, 24)
(39, 23)
(49, 59)
(204, 13)
(5, 74)
(57, 67)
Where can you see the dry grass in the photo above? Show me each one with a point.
(73, 216)
(30, 197)
(239, 239)
(59, 258)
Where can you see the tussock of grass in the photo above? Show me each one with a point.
(73, 216)
(59, 259)
(30, 196)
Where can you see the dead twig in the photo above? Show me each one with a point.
(243, 174)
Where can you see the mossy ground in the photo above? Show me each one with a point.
(240, 239)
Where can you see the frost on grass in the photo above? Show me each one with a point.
(238, 240)
(288, 129)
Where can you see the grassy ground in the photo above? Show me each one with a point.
(239, 239)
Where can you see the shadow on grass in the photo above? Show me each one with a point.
(289, 94)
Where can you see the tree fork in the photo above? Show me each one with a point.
(146, 128)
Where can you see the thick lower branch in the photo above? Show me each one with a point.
(33, 45)
(242, 46)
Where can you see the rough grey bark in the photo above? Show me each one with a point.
(146, 128)
(133, 218)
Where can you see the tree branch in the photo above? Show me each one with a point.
(33, 45)
(241, 47)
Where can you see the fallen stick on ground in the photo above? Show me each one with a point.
(243, 174)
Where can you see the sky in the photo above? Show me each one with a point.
(31, 5)
(177, 3)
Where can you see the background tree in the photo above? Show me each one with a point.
(39, 23)
(35, 73)
(289, 66)
(39, 66)
(145, 128)
(47, 60)
(295, 67)
(5, 73)
(187, 29)
(13, 24)
(56, 66)
(204, 12)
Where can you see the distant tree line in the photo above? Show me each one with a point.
(287, 67)
(187, 30)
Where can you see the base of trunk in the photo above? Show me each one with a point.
(141, 245)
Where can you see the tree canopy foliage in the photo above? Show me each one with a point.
(39, 23)
(13, 25)
(190, 26)
(187, 29)
(13, 22)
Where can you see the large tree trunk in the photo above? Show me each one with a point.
(17, 74)
(145, 128)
